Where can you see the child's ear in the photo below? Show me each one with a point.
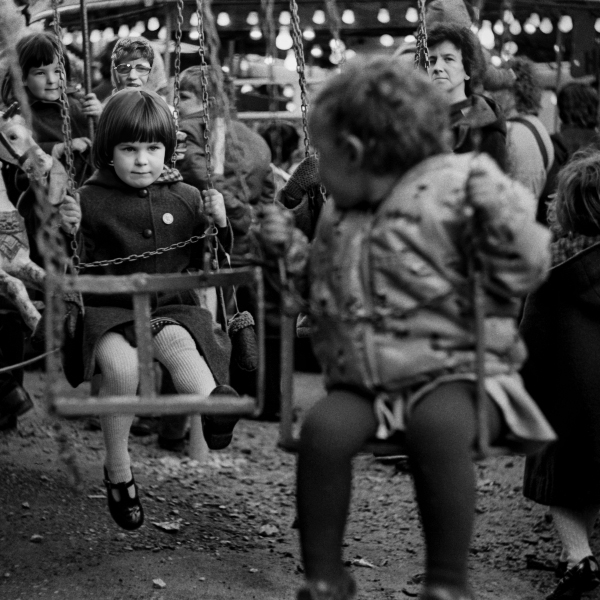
(355, 150)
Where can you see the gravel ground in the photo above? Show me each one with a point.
(224, 529)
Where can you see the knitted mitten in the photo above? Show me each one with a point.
(303, 178)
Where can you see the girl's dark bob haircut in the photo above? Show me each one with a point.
(133, 116)
(38, 50)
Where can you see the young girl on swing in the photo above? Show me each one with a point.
(128, 207)
(391, 303)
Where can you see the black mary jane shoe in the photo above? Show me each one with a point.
(582, 578)
(127, 512)
(218, 429)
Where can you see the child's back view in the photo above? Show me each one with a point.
(393, 326)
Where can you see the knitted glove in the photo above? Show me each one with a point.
(244, 350)
(303, 178)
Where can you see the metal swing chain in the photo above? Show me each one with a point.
(269, 33)
(335, 27)
(422, 49)
(176, 94)
(300, 68)
(148, 254)
(204, 85)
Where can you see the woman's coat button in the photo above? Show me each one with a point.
(167, 218)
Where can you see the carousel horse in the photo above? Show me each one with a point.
(48, 180)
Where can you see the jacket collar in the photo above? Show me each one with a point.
(107, 178)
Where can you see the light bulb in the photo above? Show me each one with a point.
(515, 27)
(350, 54)
(319, 17)
(316, 51)
(288, 91)
(508, 17)
(410, 39)
(194, 35)
(565, 23)
(285, 18)
(534, 19)
(95, 36)
(284, 40)
(290, 107)
(256, 33)
(498, 27)
(194, 19)
(496, 61)
(309, 34)
(511, 48)
(290, 61)
(546, 25)
(383, 16)
(223, 19)
(386, 40)
(79, 38)
(412, 15)
(162, 33)
(123, 31)
(154, 24)
(348, 16)
(252, 18)
(246, 89)
(140, 26)
(597, 25)
(108, 34)
(486, 35)
(529, 27)
(67, 39)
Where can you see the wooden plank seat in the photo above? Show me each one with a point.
(148, 402)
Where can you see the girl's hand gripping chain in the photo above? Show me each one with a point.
(214, 206)
(70, 214)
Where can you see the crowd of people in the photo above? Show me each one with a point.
(425, 189)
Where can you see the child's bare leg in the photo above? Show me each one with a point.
(440, 438)
(335, 429)
(176, 349)
(118, 363)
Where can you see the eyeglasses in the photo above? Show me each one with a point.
(125, 68)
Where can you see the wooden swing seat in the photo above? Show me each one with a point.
(148, 402)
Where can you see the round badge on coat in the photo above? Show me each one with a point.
(167, 218)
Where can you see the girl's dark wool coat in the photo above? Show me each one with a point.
(561, 327)
(117, 221)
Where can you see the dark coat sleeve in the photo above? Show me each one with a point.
(193, 170)
(494, 143)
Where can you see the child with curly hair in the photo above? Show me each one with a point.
(392, 317)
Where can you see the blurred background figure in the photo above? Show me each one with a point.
(530, 153)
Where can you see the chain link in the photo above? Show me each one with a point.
(176, 94)
(300, 68)
(204, 84)
(422, 50)
(134, 257)
(335, 26)
(64, 101)
(269, 34)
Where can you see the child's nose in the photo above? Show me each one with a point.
(141, 158)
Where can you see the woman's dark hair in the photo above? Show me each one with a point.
(133, 116)
(282, 139)
(578, 105)
(526, 90)
(105, 59)
(576, 207)
(39, 50)
(395, 112)
(468, 44)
